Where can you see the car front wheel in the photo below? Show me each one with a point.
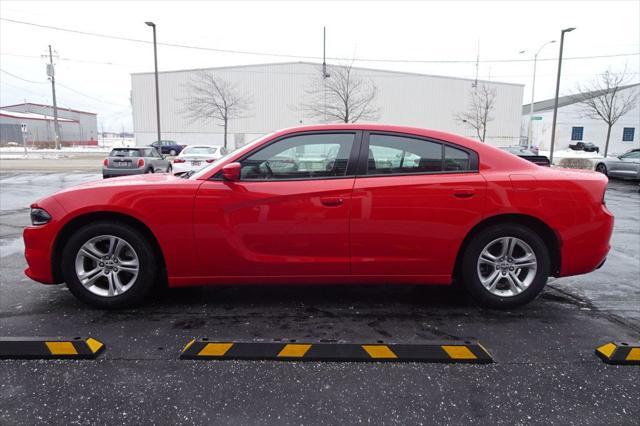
(172, 152)
(505, 266)
(601, 168)
(109, 265)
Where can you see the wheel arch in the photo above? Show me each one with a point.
(547, 234)
(77, 222)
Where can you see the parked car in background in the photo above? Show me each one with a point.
(529, 154)
(195, 157)
(134, 161)
(393, 205)
(168, 147)
(625, 166)
(585, 146)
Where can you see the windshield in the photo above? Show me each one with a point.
(198, 150)
(224, 158)
(124, 152)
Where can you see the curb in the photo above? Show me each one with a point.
(49, 348)
(470, 352)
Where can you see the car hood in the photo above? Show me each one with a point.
(135, 180)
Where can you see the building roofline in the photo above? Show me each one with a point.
(49, 106)
(330, 65)
(6, 113)
(567, 100)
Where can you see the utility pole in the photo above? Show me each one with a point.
(555, 104)
(51, 73)
(324, 69)
(155, 60)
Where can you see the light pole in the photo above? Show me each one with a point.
(555, 103)
(155, 60)
(533, 91)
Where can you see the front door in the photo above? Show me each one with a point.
(412, 206)
(287, 216)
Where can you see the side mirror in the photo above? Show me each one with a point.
(231, 172)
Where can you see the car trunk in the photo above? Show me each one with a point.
(123, 162)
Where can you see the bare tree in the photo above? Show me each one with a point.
(212, 97)
(340, 94)
(603, 98)
(478, 114)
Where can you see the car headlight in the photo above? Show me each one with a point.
(39, 216)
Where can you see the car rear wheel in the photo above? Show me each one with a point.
(505, 266)
(601, 168)
(109, 265)
(169, 169)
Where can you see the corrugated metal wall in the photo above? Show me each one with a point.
(278, 91)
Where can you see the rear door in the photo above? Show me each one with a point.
(414, 200)
(288, 215)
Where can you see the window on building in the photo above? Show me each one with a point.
(628, 133)
(576, 133)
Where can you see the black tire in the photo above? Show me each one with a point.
(471, 256)
(149, 170)
(143, 283)
(169, 169)
(601, 168)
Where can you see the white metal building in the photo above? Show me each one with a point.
(277, 92)
(573, 126)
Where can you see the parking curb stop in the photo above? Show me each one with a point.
(619, 353)
(50, 348)
(291, 350)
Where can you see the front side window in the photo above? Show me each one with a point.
(576, 133)
(632, 155)
(300, 157)
(628, 134)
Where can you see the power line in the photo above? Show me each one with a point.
(286, 55)
(23, 79)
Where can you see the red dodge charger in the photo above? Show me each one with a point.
(340, 204)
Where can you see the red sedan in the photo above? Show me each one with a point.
(341, 204)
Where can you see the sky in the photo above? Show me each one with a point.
(432, 37)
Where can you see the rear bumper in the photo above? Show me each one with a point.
(111, 172)
(586, 249)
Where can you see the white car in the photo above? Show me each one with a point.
(195, 157)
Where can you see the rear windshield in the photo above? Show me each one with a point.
(200, 150)
(125, 152)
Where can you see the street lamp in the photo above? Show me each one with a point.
(155, 59)
(533, 90)
(555, 104)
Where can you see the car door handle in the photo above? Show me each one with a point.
(331, 201)
(464, 193)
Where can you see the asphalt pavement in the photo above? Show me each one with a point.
(544, 370)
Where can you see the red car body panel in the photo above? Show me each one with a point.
(364, 229)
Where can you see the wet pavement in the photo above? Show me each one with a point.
(544, 371)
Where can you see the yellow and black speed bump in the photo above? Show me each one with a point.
(49, 348)
(620, 353)
(292, 350)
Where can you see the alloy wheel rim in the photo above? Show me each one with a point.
(507, 266)
(107, 266)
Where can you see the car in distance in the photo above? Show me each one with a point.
(585, 146)
(528, 154)
(134, 161)
(168, 147)
(625, 166)
(377, 204)
(195, 157)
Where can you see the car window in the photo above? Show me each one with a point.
(124, 152)
(199, 150)
(632, 155)
(456, 159)
(300, 157)
(389, 154)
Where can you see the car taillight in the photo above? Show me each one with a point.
(106, 162)
(140, 162)
(210, 160)
(178, 160)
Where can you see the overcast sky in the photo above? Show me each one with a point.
(94, 72)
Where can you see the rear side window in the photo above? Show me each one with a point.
(456, 160)
(397, 155)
